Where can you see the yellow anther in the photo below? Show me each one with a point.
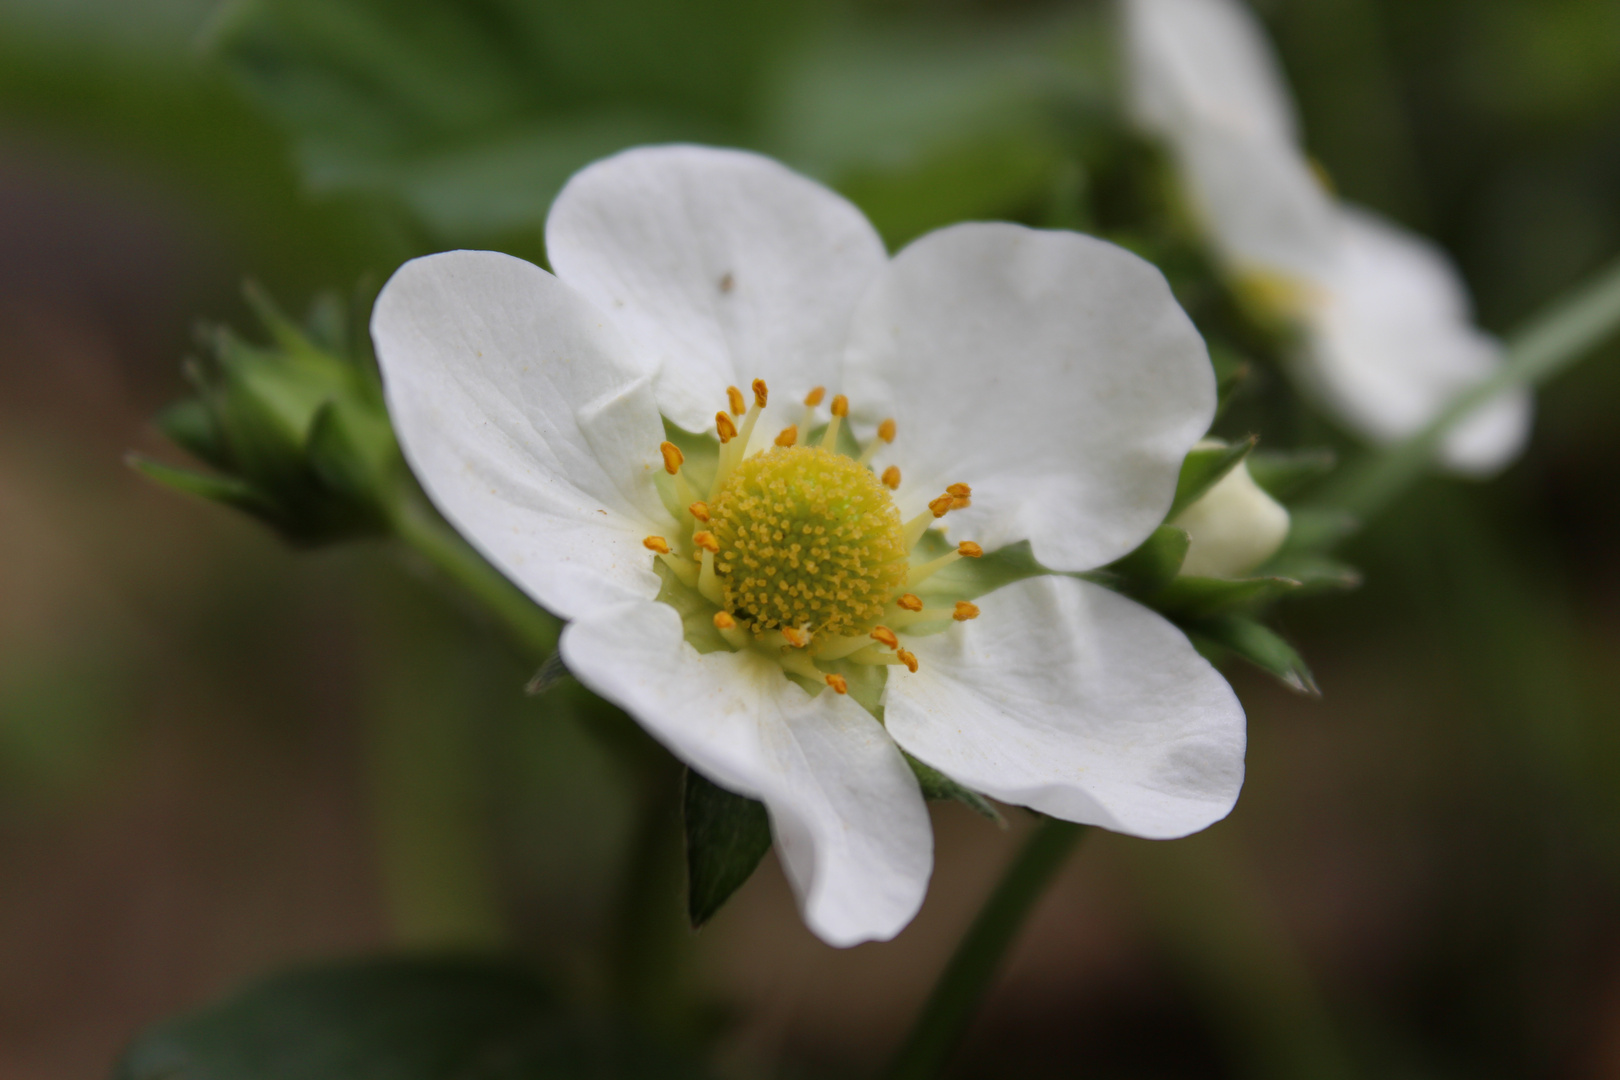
(910, 602)
(942, 505)
(891, 477)
(884, 636)
(672, 457)
(838, 683)
(734, 398)
(789, 436)
(724, 425)
(813, 398)
(961, 491)
(699, 510)
(960, 504)
(886, 430)
(907, 659)
(796, 637)
(968, 549)
(724, 621)
(656, 543)
(840, 406)
(761, 393)
(965, 611)
(706, 541)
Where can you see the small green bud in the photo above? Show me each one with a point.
(296, 429)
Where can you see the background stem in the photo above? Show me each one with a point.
(940, 1027)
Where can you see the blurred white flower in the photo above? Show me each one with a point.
(1233, 527)
(1388, 337)
(779, 610)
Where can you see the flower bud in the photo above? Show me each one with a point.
(1233, 527)
(295, 429)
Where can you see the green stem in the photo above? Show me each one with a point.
(1549, 343)
(533, 629)
(938, 1030)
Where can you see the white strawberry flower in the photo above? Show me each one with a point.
(776, 603)
(1388, 337)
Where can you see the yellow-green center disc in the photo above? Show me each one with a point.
(808, 539)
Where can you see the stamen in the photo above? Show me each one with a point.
(789, 436)
(966, 549)
(724, 426)
(735, 635)
(656, 543)
(797, 638)
(699, 510)
(838, 646)
(961, 491)
(761, 393)
(730, 455)
(885, 434)
(811, 400)
(708, 584)
(707, 542)
(910, 602)
(734, 398)
(840, 409)
(907, 658)
(942, 505)
(884, 636)
(838, 683)
(673, 458)
(873, 654)
(965, 611)
(891, 477)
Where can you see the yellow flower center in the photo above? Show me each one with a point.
(801, 550)
(808, 539)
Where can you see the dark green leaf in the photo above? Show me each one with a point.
(1259, 645)
(1313, 529)
(1203, 468)
(726, 837)
(1283, 474)
(1315, 573)
(1155, 563)
(393, 1020)
(937, 786)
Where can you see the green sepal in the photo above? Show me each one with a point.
(395, 1019)
(1203, 468)
(1317, 529)
(226, 490)
(1155, 562)
(1193, 597)
(937, 787)
(190, 425)
(1283, 474)
(1259, 645)
(726, 837)
(1314, 573)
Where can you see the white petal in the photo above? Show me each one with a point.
(1394, 343)
(1052, 372)
(850, 823)
(1208, 58)
(1071, 699)
(527, 420)
(723, 266)
(1258, 199)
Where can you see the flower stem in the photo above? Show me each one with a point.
(1550, 342)
(532, 628)
(938, 1030)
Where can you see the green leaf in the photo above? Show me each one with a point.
(393, 1019)
(726, 837)
(1155, 562)
(1284, 473)
(1203, 469)
(936, 787)
(1259, 645)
